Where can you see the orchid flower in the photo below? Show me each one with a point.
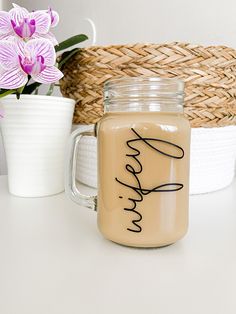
(20, 23)
(54, 17)
(18, 60)
(27, 50)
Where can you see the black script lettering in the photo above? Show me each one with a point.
(138, 188)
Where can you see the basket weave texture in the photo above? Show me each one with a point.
(209, 74)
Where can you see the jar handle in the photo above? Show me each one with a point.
(71, 189)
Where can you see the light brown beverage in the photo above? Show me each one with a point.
(143, 178)
(143, 162)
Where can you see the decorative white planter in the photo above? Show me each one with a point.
(35, 131)
(212, 166)
(213, 156)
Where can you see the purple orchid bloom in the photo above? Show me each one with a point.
(19, 59)
(54, 17)
(18, 22)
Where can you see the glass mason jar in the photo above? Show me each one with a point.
(143, 163)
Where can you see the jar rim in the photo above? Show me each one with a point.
(175, 84)
(141, 93)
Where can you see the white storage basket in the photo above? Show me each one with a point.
(212, 167)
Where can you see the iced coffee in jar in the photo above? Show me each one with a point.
(143, 162)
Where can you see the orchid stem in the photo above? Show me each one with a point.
(50, 90)
(36, 90)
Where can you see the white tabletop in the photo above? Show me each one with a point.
(54, 261)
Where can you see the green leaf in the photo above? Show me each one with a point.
(66, 56)
(2, 91)
(19, 91)
(30, 88)
(8, 92)
(74, 40)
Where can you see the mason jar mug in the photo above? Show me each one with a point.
(143, 143)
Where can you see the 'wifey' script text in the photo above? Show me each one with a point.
(139, 189)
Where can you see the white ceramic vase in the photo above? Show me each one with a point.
(35, 131)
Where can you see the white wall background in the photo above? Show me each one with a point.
(208, 22)
(124, 21)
